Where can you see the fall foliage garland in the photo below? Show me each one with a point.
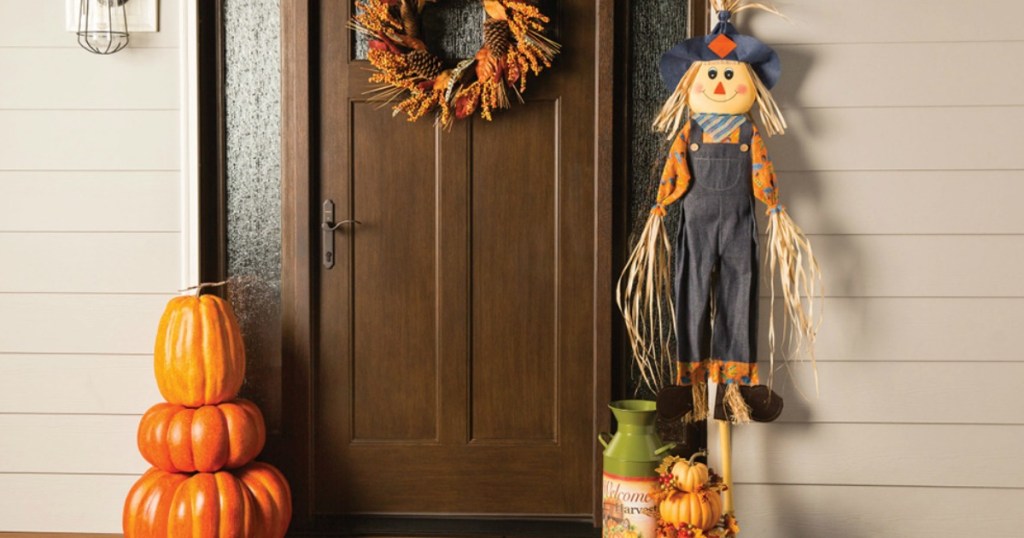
(407, 72)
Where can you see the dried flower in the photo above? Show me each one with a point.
(409, 74)
(731, 525)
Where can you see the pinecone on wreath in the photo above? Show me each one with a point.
(497, 36)
(424, 64)
(407, 72)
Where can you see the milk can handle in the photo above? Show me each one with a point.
(600, 437)
(664, 449)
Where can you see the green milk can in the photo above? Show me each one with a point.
(630, 458)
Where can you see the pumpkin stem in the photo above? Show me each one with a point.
(199, 289)
(697, 455)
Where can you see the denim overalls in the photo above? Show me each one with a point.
(718, 237)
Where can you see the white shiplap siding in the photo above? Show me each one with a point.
(904, 164)
(90, 250)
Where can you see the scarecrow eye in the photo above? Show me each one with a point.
(728, 74)
(712, 73)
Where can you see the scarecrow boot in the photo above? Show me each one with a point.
(674, 402)
(737, 402)
(687, 402)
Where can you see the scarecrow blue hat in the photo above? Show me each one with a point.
(724, 43)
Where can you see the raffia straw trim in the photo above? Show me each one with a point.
(644, 296)
(771, 115)
(735, 7)
(791, 257)
(675, 110)
(700, 402)
(738, 410)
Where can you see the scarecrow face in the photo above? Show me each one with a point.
(722, 87)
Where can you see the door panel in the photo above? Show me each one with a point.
(515, 276)
(394, 272)
(455, 371)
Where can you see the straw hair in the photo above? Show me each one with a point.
(771, 116)
(644, 295)
(799, 275)
(737, 6)
(676, 109)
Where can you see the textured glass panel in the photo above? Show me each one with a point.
(252, 85)
(656, 25)
(452, 29)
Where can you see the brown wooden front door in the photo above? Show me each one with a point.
(455, 370)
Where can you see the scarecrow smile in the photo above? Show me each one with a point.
(726, 100)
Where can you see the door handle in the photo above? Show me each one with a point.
(327, 229)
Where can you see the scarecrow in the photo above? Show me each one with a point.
(718, 176)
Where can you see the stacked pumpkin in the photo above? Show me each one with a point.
(690, 501)
(203, 440)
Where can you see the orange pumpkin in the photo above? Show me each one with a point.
(690, 476)
(701, 509)
(199, 357)
(252, 502)
(182, 440)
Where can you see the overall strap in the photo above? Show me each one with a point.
(747, 132)
(696, 133)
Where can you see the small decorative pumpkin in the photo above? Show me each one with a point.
(252, 502)
(700, 509)
(199, 357)
(178, 439)
(690, 476)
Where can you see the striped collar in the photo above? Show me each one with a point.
(719, 126)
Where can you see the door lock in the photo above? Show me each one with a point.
(327, 228)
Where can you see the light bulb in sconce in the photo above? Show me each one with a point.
(102, 26)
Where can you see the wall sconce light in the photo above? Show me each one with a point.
(102, 26)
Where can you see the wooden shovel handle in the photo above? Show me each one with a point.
(725, 444)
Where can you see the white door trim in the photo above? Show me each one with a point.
(189, 145)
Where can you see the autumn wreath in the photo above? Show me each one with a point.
(514, 45)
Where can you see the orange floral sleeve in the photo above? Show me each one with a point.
(764, 173)
(675, 179)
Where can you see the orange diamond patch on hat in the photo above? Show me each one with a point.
(722, 45)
